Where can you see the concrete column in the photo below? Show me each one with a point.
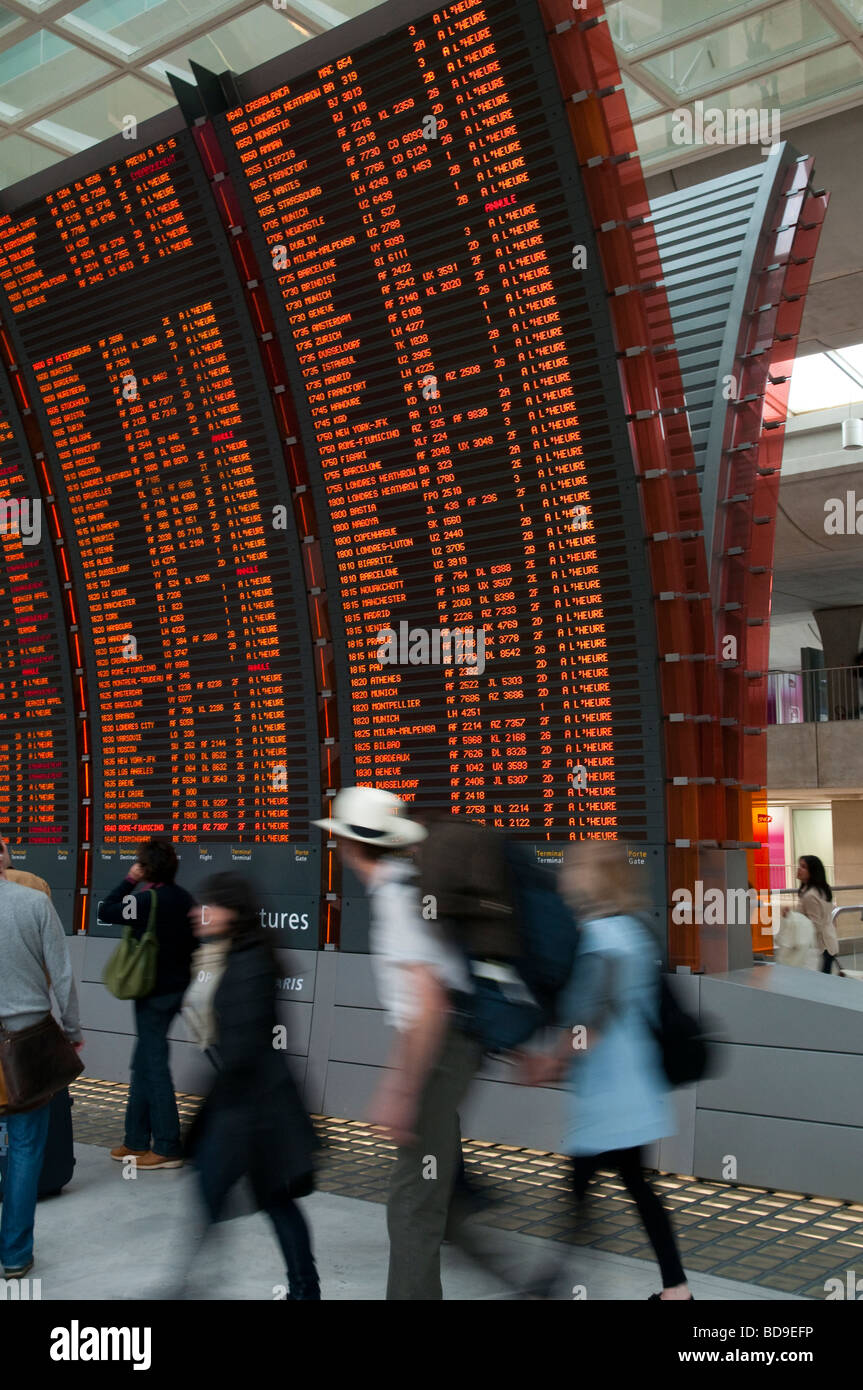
(725, 946)
(840, 636)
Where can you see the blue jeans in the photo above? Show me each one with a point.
(27, 1137)
(151, 1110)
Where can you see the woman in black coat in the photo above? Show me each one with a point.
(253, 1124)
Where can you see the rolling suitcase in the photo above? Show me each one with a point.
(58, 1163)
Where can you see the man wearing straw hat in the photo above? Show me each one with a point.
(433, 1061)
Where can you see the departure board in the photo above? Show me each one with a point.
(418, 215)
(144, 372)
(37, 735)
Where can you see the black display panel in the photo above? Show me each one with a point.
(425, 243)
(37, 732)
(121, 299)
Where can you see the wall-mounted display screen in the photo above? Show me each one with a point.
(118, 292)
(425, 242)
(37, 734)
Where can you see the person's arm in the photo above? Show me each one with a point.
(596, 977)
(809, 904)
(114, 907)
(416, 1050)
(58, 968)
(418, 1046)
(817, 909)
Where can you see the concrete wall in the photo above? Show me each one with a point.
(824, 756)
(785, 1105)
(848, 840)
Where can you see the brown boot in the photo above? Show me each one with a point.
(122, 1152)
(152, 1160)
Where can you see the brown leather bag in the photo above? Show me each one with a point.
(463, 869)
(35, 1063)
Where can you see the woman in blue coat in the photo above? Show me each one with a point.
(618, 1099)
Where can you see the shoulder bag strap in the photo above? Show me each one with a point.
(151, 920)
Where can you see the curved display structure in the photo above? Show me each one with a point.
(350, 393)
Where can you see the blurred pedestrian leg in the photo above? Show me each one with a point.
(422, 1180)
(629, 1163)
(423, 1205)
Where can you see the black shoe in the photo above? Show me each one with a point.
(19, 1271)
(659, 1299)
(304, 1291)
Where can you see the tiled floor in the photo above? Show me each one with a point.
(778, 1240)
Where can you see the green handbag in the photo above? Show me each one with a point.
(130, 973)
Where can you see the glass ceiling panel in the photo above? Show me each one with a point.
(854, 357)
(790, 90)
(635, 26)
(72, 141)
(19, 158)
(653, 138)
(101, 114)
(817, 383)
(127, 26)
(854, 8)
(240, 45)
(330, 15)
(828, 74)
(757, 41)
(8, 20)
(640, 103)
(61, 68)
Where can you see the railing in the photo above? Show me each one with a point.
(850, 948)
(839, 891)
(811, 697)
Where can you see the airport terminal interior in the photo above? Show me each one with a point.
(363, 367)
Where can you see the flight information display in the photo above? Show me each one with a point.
(37, 737)
(143, 367)
(419, 220)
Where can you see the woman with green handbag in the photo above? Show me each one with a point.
(151, 965)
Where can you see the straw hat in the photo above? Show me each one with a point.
(372, 817)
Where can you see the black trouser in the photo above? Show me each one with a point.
(292, 1233)
(288, 1221)
(628, 1163)
(827, 962)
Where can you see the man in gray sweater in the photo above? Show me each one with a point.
(34, 958)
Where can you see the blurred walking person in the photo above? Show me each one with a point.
(34, 959)
(619, 1098)
(152, 1134)
(433, 1060)
(814, 897)
(253, 1125)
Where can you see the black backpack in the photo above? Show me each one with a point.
(686, 1052)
